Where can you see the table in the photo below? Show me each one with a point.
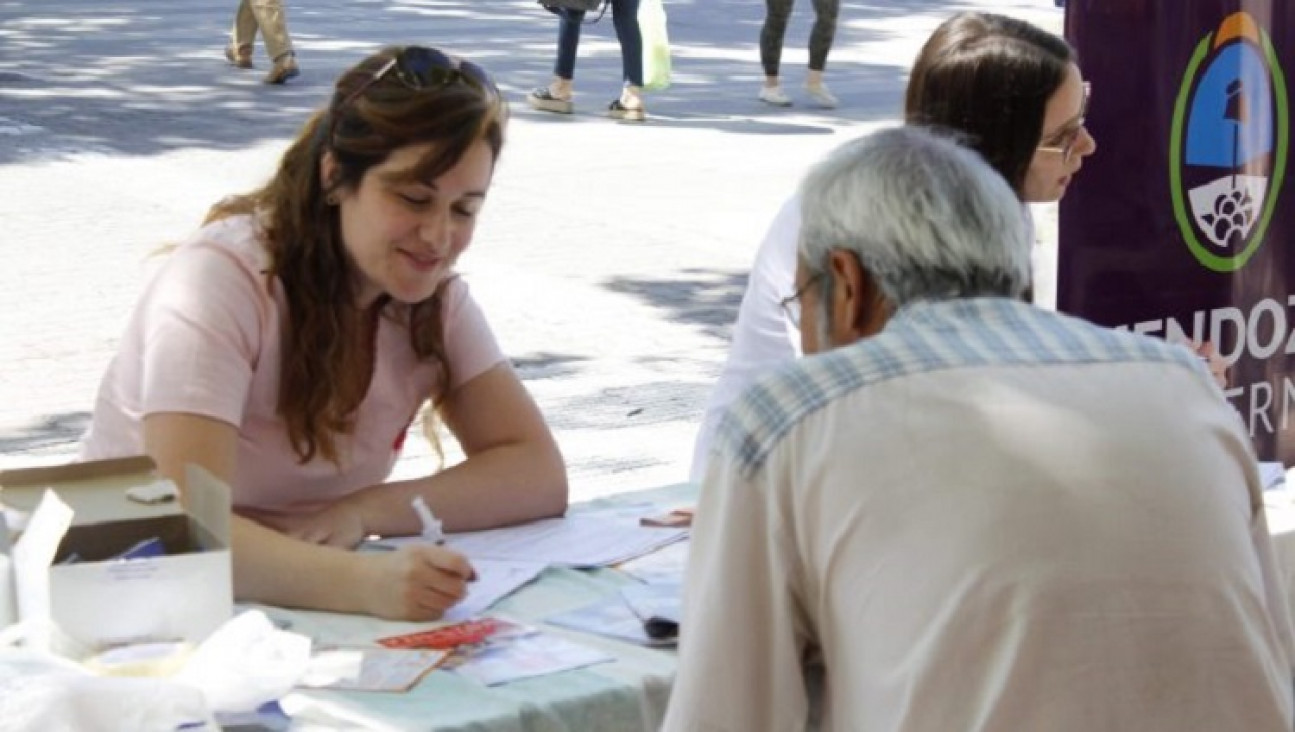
(629, 693)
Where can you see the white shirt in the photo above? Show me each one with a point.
(763, 337)
(987, 517)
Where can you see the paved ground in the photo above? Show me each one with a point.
(610, 259)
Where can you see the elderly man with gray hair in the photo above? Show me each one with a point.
(966, 512)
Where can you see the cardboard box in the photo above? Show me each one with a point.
(99, 601)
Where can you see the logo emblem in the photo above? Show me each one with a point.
(1228, 144)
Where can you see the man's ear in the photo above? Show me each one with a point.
(858, 309)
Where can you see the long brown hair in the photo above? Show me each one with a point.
(988, 78)
(327, 341)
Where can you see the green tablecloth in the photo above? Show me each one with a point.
(629, 693)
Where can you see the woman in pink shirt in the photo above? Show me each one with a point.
(287, 346)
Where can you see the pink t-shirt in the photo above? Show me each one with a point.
(205, 339)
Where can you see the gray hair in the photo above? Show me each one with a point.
(928, 219)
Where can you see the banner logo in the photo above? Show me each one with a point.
(1228, 145)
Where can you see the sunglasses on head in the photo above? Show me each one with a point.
(419, 67)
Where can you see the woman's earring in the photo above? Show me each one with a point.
(331, 199)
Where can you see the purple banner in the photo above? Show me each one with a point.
(1181, 225)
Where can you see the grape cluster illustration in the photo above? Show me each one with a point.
(1232, 215)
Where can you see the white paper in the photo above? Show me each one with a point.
(369, 669)
(495, 579)
(655, 602)
(1272, 474)
(663, 566)
(528, 656)
(579, 541)
(612, 617)
(32, 555)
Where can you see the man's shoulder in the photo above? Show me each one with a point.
(922, 340)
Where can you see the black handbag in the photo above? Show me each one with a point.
(582, 5)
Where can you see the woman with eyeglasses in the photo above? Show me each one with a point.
(288, 345)
(1012, 91)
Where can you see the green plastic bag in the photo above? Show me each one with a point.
(656, 45)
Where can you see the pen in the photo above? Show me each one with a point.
(431, 525)
(432, 532)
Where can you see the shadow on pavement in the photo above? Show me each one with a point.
(707, 299)
(545, 365)
(52, 431)
(636, 405)
(148, 77)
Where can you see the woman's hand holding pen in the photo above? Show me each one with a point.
(415, 582)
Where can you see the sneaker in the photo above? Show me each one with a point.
(543, 100)
(617, 110)
(821, 96)
(284, 68)
(775, 96)
(238, 56)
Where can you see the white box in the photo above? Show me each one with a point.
(99, 601)
(8, 603)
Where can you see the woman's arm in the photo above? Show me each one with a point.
(414, 583)
(513, 471)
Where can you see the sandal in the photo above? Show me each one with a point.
(617, 110)
(543, 100)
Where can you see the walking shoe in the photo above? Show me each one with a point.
(617, 110)
(284, 68)
(543, 100)
(774, 95)
(238, 56)
(821, 96)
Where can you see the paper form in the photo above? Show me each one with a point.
(579, 541)
(1272, 474)
(612, 617)
(369, 669)
(662, 602)
(663, 566)
(528, 656)
(496, 578)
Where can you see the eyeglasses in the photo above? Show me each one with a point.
(1066, 143)
(419, 67)
(791, 304)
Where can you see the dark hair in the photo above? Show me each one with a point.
(989, 78)
(327, 349)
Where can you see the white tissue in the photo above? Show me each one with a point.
(41, 692)
(246, 662)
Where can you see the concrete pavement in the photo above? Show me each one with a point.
(610, 259)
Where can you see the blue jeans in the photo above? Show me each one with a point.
(625, 16)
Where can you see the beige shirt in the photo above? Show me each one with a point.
(988, 517)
